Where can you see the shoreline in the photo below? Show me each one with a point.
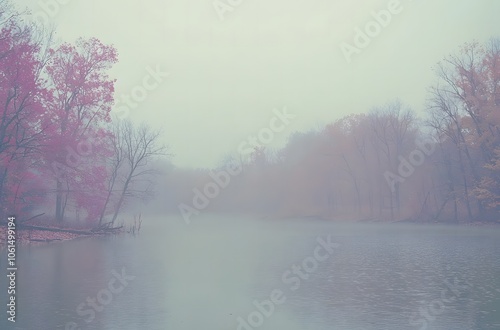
(379, 221)
(34, 237)
(30, 236)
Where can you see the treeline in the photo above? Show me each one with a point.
(61, 153)
(386, 165)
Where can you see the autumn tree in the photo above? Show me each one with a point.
(464, 105)
(21, 112)
(358, 160)
(77, 111)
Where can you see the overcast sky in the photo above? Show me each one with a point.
(228, 70)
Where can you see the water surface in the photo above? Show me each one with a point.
(208, 274)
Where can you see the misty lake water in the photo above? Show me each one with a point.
(208, 274)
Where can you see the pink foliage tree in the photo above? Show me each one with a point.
(21, 113)
(77, 114)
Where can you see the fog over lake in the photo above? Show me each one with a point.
(242, 165)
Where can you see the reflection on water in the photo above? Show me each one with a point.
(219, 272)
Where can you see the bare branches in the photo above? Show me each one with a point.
(134, 149)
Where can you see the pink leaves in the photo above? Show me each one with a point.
(83, 96)
(83, 91)
(53, 116)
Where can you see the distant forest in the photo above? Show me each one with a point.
(385, 165)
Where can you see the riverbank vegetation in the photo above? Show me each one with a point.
(66, 162)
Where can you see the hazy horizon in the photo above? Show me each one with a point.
(227, 75)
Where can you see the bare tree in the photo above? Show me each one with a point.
(392, 127)
(135, 147)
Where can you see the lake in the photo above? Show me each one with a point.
(230, 273)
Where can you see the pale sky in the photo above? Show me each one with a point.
(226, 76)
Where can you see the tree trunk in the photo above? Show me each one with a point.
(59, 208)
(120, 201)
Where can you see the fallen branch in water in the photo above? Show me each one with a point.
(105, 228)
(58, 230)
(98, 230)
